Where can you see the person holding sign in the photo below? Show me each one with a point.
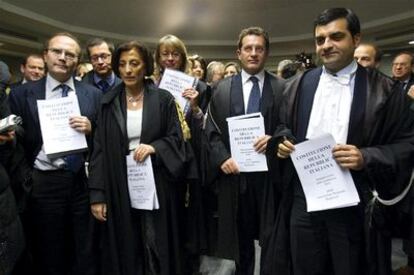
(60, 223)
(171, 54)
(239, 195)
(373, 129)
(139, 119)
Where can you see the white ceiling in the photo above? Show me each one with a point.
(208, 27)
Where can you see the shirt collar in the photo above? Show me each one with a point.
(53, 83)
(246, 77)
(343, 76)
(348, 70)
(110, 79)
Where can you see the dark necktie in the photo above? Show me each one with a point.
(73, 161)
(253, 105)
(103, 86)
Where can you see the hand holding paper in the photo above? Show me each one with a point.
(141, 184)
(326, 185)
(192, 95)
(142, 152)
(260, 144)
(348, 156)
(80, 124)
(247, 143)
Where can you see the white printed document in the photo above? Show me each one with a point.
(244, 130)
(176, 82)
(141, 184)
(326, 185)
(59, 138)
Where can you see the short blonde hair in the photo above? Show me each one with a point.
(176, 43)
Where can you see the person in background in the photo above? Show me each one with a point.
(402, 69)
(368, 55)
(199, 67)
(100, 56)
(231, 68)
(215, 72)
(82, 70)
(11, 232)
(171, 53)
(281, 65)
(32, 69)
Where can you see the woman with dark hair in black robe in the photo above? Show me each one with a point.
(138, 118)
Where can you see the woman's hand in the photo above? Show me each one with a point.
(192, 95)
(143, 151)
(99, 211)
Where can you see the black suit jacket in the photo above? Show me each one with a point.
(23, 103)
(88, 79)
(227, 101)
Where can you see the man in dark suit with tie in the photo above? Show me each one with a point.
(374, 131)
(100, 55)
(60, 221)
(239, 195)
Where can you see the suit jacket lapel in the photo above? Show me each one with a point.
(236, 96)
(117, 95)
(266, 101)
(356, 117)
(148, 114)
(83, 99)
(306, 94)
(36, 92)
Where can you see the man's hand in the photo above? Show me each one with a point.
(230, 166)
(142, 152)
(99, 211)
(260, 144)
(348, 156)
(80, 124)
(6, 137)
(284, 149)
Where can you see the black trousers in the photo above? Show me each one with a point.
(249, 210)
(329, 242)
(61, 224)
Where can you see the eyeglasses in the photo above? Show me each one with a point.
(175, 55)
(104, 57)
(67, 54)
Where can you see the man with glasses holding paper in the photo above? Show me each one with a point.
(372, 127)
(60, 221)
(239, 193)
(100, 55)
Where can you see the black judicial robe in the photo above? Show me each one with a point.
(227, 101)
(382, 127)
(124, 249)
(11, 232)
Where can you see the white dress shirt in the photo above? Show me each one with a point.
(332, 104)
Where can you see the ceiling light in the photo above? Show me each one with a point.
(411, 42)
